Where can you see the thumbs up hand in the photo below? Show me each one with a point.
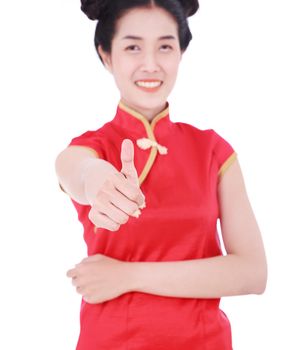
(128, 168)
(120, 195)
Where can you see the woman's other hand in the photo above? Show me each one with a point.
(99, 278)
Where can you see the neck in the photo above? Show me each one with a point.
(148, 113)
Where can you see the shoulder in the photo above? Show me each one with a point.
(210, 145)
(100, 134)
(93, 139)
(207, 136)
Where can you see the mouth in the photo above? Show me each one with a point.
(149, 84)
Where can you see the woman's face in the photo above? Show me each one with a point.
(145, 58)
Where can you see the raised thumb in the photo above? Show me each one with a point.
(127, 161)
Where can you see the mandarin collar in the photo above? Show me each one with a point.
(133, 121)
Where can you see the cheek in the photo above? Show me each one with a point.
(124, 71)
(128, 67)
(172, 70)
(123, 64)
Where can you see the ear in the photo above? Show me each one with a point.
(106, 58)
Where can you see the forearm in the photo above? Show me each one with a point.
(202, 278)
(81, 174)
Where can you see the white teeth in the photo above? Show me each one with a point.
(152, 84)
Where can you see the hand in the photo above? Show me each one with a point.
(99, 278)
(120, 195)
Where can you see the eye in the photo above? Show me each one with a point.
(167, 47)
(131, 48)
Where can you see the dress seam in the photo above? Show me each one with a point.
(204, 324)
(127, 323)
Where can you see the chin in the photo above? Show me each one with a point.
(151, 102)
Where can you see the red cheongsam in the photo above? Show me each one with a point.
(179, 167)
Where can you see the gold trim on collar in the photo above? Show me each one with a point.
(141, 117)
(149, 127)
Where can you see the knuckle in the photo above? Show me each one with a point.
(135, 194)
(134, 207)
(104, 191)
(115, 227)
(79, 289)
(101, 197)
(108, 184)
(116, 177)
(121, 218)
(125, 219)
(91, 217)
(96, 219)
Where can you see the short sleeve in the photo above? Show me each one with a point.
(91, 140)
(224, 154)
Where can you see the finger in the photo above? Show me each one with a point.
(115, 205)
(121, 207)
(71, 273)
(102, 220)
(87, 299)
(142, 206)
(137, 213)
(127, 161)
(74, 281)
(131, 191)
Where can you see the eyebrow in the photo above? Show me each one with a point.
(165, 37)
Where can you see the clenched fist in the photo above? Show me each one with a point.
(99, 278)
(120, 195)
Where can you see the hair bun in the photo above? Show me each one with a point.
(190, 6)
(94, 9)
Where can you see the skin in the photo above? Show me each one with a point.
(243, 270)
(146, 58)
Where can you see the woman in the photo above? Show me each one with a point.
(154, 281)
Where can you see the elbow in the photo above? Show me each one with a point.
(58, 165)
(258, 288)
(257, 279)
(261, 282)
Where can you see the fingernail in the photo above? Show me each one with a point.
(137, 213)
(142, 206)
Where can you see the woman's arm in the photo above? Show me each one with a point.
(242, 271)
(77, 164)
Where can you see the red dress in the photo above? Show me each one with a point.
(178, 175)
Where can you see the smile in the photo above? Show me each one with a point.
(149, 84)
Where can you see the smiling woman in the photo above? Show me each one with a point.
(135, 60)
(112, 39)
(154, 281)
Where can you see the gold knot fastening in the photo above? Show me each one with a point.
(146, 143)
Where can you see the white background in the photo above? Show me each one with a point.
(53, 88)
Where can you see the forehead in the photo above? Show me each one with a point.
(146, 22)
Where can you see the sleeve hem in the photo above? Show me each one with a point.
(91, 149)
(227, 164)
(97, 154)
(62, 188)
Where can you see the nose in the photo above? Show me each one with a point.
(150, 62)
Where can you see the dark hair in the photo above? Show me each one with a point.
(107, 12)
